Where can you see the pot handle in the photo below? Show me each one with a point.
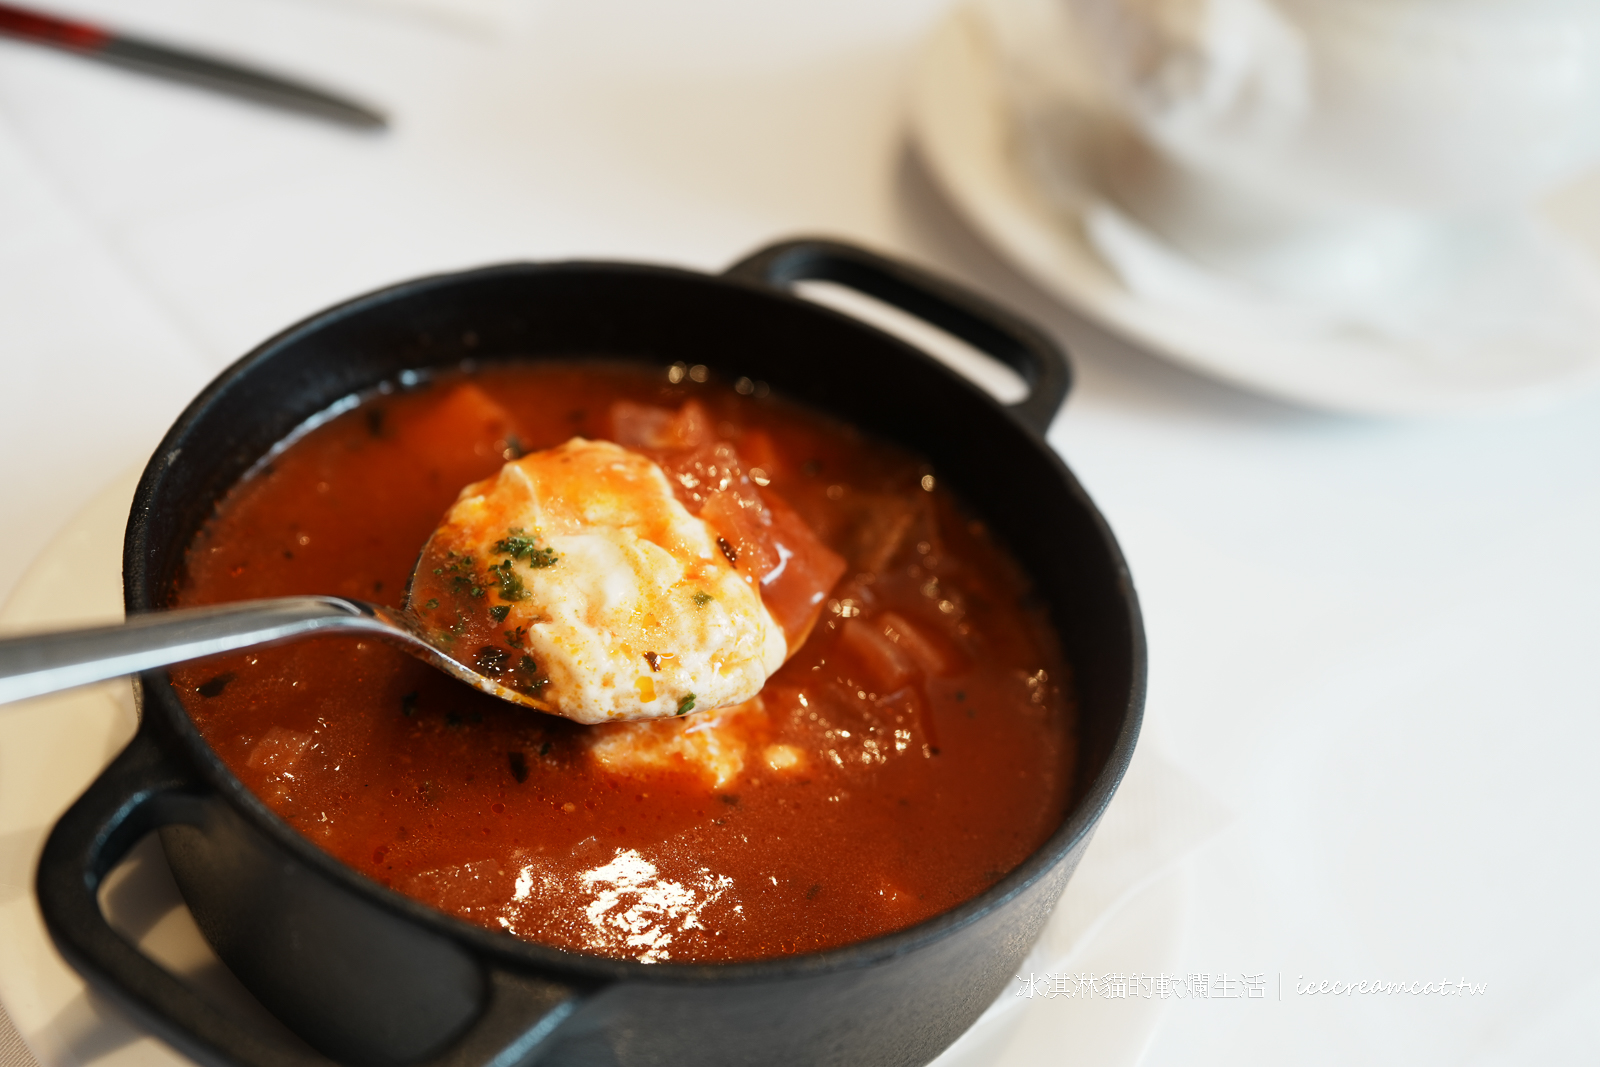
(986, 326)
(143, 789)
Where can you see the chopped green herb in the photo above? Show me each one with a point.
(499, 612)
(544, 749)
(519, 545)
(519, 766)
(517, 637)
(701, 599)
(408, 704)
(686, 705)
(492, 661)
(528, 680)
(432, 603)
(510, 581)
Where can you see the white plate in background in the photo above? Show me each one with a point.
(963, 129)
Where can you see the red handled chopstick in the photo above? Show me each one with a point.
(148, 57)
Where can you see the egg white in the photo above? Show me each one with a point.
(634, 573)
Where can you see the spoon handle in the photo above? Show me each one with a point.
(46, 663)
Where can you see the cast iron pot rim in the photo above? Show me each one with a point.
(507, 949)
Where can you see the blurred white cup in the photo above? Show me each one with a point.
(1330, 148)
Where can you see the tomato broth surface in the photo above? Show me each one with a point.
(916, 747)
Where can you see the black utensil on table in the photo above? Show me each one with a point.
(149, 57)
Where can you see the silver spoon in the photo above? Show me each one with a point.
(50, 662)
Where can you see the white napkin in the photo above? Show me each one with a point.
(13, 1053)
(1155, 819)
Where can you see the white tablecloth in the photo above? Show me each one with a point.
(1374, 642)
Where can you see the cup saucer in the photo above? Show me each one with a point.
(1516, 325)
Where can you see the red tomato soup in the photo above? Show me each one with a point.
(915, 748)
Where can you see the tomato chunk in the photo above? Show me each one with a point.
(795, 591)
(744, 525)
(645, 426)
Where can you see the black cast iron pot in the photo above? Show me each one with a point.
(371, 978)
